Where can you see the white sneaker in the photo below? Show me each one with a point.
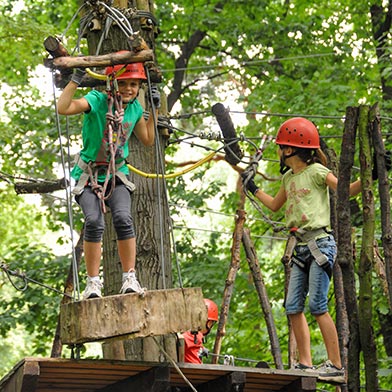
(93, 289)
(131, 285)
(307, 369)
(329, 372)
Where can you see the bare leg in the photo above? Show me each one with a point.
(92, 256)
(302, 336)
(330, 337)
(127, 253)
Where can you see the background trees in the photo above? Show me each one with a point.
(265, 60)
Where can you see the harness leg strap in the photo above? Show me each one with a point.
(320, 258)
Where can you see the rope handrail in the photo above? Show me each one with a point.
(99, 76)
(172, 175)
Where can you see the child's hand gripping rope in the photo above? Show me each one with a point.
(249, 173)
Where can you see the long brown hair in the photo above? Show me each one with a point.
(310, 156)
(307, 155)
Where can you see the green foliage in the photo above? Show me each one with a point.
(35, 309)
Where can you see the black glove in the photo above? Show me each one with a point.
(250, 184)
(78, 75)
(203, 352)
(252, 187)
(156, 96)
(388, 164)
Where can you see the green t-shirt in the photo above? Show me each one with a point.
(94, 124)
(307, 204)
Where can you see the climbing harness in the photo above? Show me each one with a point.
(300, 236)
(110, 157)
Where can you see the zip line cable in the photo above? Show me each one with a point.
(266, 61)
(68, 195)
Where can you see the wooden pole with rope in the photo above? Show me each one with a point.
(228, 290)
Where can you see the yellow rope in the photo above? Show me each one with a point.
(99, 76)
(172, 175)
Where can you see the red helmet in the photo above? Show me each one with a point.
(131, 71)
(298, 132)
(212, 309)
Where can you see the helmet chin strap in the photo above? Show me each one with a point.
(283, 167)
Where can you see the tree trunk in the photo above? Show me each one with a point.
(345, 249)
(366, 258)
(385, 203)
(342, 323)
(149, 204)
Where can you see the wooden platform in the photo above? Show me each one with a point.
(158, 312)
(66, 375)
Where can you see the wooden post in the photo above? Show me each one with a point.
(365, 269)
(232, 149)
(345, 253)
(263, 297)
(228, 291)
(342, 321)
(385, 201)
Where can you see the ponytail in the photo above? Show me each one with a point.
(312, 156)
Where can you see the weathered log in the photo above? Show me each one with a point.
(159, 312)
(104, 60)
(40, 187)
(54, 47)
(232, 149)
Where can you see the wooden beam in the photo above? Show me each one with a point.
(303, 384)
(25, 378)
(156, 379)
(159, 312)
(232, 382)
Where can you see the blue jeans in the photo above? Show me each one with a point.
(313, 280)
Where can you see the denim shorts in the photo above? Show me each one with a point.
(314, 282)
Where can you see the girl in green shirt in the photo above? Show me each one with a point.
(95, 107)
(304, 190)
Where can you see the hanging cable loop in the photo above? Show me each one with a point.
(26, 280)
